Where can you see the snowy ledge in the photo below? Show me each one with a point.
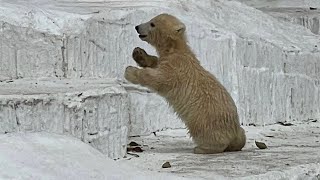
(92, 110)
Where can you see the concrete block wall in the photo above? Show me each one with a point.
(281, 3)
(96, 114)
(278, 86)
(28, 53)
(150, 113)
(305, 13)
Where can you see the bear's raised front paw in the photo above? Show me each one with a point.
(131, 74)
(139, 55)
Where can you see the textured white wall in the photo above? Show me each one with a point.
(294, 11)
(282, 3)
(95, 112)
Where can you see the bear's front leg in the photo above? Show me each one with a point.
(131, 74)
(148, 77)
(143, 59)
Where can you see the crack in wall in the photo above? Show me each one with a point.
(63, 54)
(98, 45)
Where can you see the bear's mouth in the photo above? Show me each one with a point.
(141, 36)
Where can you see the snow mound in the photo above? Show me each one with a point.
(51, 156)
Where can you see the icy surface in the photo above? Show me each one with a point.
(44, 156)
(95, 111)
(292, 153)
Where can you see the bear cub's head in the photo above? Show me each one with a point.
(161, 29)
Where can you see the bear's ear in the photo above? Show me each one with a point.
(180, 28)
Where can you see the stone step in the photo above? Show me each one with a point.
(282, 3)
(100, 112)
(309, 18)
(305, 13)
(95, 111)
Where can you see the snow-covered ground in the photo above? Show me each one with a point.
(293, 153)
(44, 156)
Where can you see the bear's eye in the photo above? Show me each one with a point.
(152, 25)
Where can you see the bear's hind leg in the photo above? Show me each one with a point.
(239, 142)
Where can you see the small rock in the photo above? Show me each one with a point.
(252, 124)
(166, 165)
(135, 136)
(270, 136)
(152, 148)
(313, 8)
(138, 149)
(132, 143)
(261, 145)
(314, 120)
(135, 155)
(134, 149)
(285, 123)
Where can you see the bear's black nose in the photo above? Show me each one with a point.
(137, 28)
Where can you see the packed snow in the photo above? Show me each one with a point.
(45, 156)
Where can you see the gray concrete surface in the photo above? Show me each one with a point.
(292, 153)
